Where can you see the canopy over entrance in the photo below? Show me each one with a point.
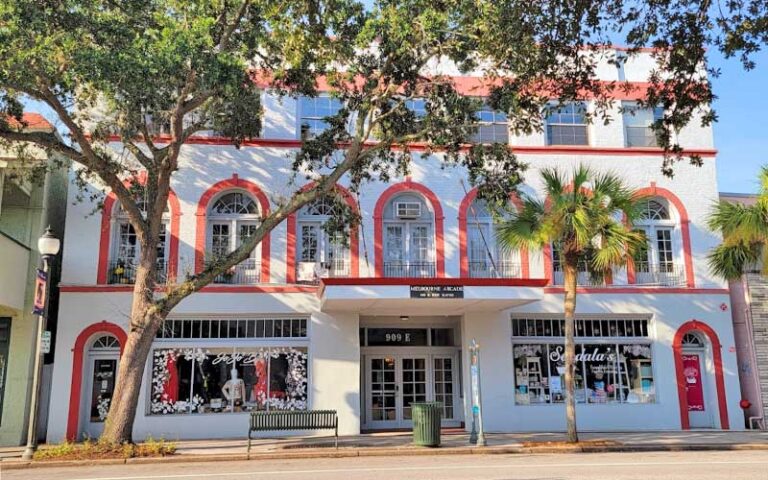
(427, 296)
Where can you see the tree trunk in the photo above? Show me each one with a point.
(145, 321)
(570, 266)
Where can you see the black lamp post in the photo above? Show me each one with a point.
(48, 246)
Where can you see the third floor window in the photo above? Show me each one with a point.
(313, 114)
(567, 124)
(637, 125)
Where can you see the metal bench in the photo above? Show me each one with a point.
(294, 420)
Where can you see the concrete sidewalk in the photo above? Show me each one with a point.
(453, 443)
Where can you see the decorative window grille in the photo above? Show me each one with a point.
(585, 327)
(229, 328)
(235, 203)
(654, 210)
(106, 342)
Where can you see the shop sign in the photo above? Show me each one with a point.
(437, 291)
(411, 337)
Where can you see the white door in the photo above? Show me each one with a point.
(101, 371)
(394, 382)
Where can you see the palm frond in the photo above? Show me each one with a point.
(731, 261)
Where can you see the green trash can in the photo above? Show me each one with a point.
(426, 423)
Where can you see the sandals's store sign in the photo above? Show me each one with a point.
(437, 291)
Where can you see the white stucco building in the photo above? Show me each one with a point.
(656, 347)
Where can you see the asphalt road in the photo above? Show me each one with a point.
(614, 466)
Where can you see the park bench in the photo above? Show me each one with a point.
(294, 420)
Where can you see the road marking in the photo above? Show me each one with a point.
(425, 468)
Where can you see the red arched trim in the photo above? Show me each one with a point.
(202, 212)
(75, 392)
(378, 227)
(354, 243)
(654, 191)
(463, 252)
(106, 233)
(677, 346)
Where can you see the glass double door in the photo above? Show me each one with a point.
(394, 382)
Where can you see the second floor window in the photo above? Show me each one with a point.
(126, 249)
(567, 124)
(313, 114)
(493, 127)
(409, 232)
(485, 258)
(320, 254)
(232, 219)
(637, 125)
(655, 264)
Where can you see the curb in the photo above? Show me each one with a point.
(384, 452)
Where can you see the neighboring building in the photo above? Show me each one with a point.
(26, 208)
(656, 346)
(749, 297)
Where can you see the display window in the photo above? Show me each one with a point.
(609, 370)
(226, 379)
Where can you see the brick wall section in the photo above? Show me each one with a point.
(758, 292)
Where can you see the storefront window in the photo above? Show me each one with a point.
(605, 373)
(214, 380)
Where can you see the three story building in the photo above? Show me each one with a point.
(367, 329)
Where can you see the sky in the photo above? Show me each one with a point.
(741, 137)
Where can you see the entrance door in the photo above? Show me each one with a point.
(394, 382)
(101, 374)
(698, 415)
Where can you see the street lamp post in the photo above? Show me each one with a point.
(48, 246)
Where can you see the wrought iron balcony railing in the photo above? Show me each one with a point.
(583, 279)
(124, 272)
(409, 269)
(485, 269)
(312, 272)
(664, 275)
(247, 272)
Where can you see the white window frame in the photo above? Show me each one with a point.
(493, 123)
(234, 221)
(327, 250)
(553, 109)
(499, 256)
(120, 220)
(627, 116)
(652, 227)
(408, 226)
(301, 115)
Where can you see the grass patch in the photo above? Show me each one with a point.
(95, 450)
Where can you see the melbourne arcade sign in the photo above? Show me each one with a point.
(437, 291)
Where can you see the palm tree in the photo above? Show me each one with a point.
(588, 218)
(745, 234)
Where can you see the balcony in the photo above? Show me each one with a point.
(312, 272)
(664, 275)
(484, 269)
(583, 279)
(409, 269)
(247, 272)
(641, 137)
(124, 272)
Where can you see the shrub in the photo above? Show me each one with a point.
(91, 449)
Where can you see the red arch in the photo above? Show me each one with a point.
(685, 229)
(463, 254)
(677, 347)
(354, 243)
(378, 228)
(202, 212)
(75, 392)
(106, 233)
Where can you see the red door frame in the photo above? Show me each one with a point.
(677, 347)
(75, 392)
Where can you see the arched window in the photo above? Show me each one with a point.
(320, 254)
(692, 340)
(126, 249)
(409, 237)
(583, 277)
(658, 262)
(105, 342)
(486, 258)
(233, 217)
